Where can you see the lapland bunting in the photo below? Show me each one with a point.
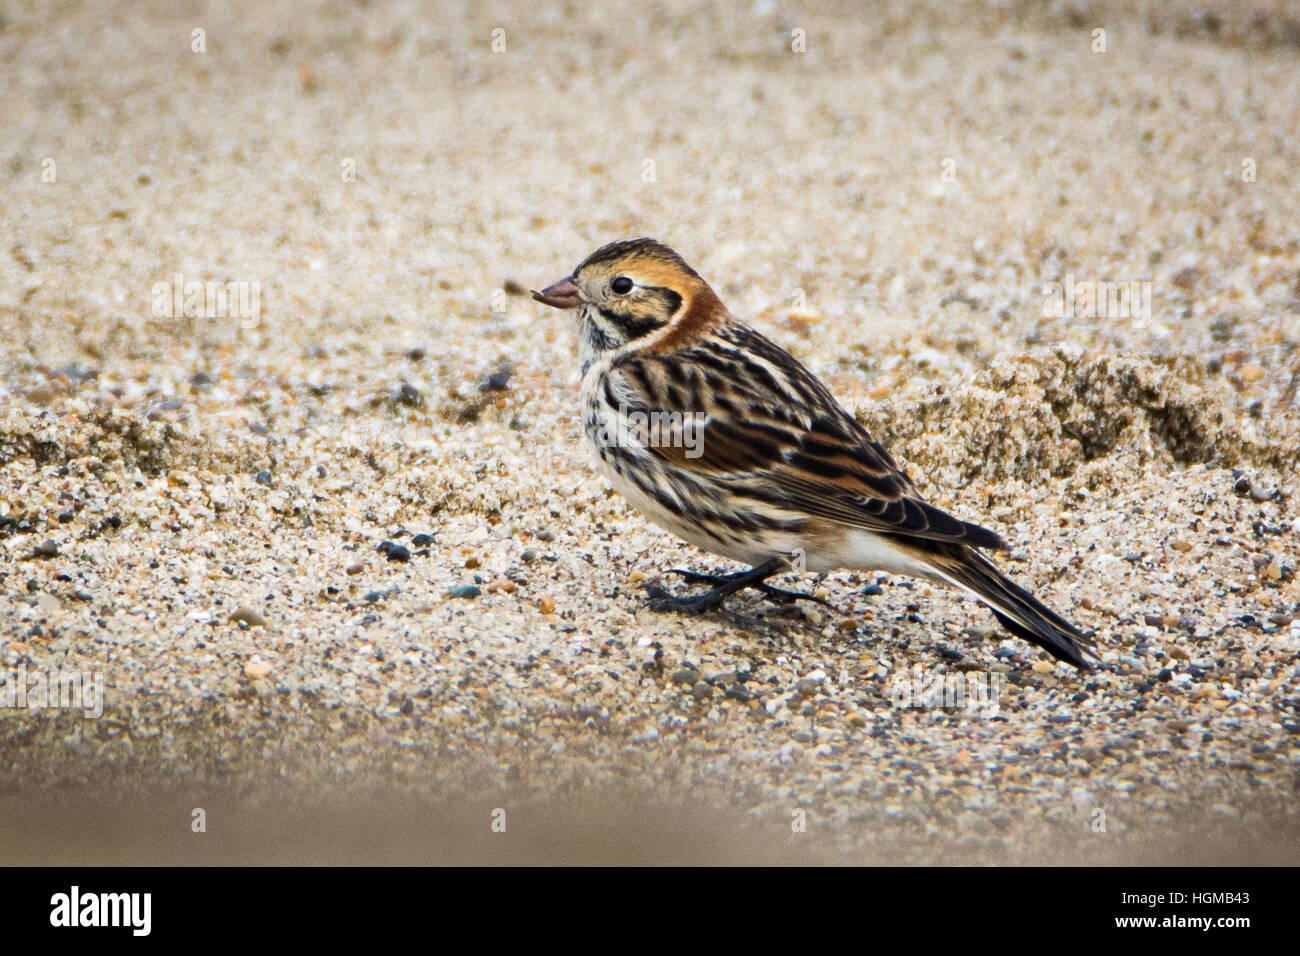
(725, 439)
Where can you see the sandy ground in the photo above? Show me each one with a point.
(191, 505)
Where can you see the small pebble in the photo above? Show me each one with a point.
(466, 591)
(247, 617)
(46, 549)
(807, 687)
(496, 382)
(257, 667)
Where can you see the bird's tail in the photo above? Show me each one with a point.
(1018, 611)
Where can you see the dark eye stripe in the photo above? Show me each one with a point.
(671, 300)
(643, 314)
(632, 326)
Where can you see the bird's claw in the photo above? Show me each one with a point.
(662, 600)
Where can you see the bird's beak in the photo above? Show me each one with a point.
(562, 295)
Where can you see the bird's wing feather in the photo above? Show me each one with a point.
(768, 429)
(1019, 611)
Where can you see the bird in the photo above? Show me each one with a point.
(722, 437)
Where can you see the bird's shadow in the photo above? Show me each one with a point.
(773, 617)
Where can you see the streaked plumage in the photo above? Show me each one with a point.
(752, 458)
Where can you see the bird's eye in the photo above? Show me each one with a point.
(622, 285)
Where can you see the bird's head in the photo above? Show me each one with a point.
(631, 290)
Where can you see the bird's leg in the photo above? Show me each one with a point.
(780, 594)
(727, 585)
(724, 586)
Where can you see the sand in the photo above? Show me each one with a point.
(193, 506)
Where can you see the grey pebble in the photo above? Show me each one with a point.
(807, 687)
(247, 617)
(496, 382)
(46, 549)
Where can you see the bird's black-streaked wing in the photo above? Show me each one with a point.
(765, 426)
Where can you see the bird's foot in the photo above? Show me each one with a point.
(724, 585)
(780, 595)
